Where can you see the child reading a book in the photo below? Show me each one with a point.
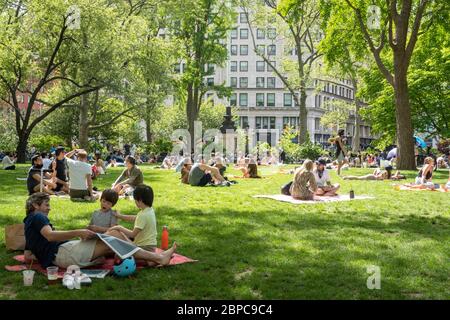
(106, 217)
(144, 231)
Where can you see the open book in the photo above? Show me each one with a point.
(122, 248)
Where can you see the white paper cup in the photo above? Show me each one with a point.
(28, 276)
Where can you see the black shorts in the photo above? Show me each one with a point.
(207, 178)
(58, 187)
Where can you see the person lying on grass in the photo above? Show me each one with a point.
(322, 177)
(144, 232)
(130, 178)
(105, 218)
(50, 247)
(201, 175)
(304, 184)
(34, 177)
(378, 174)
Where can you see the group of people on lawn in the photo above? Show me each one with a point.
(70, 173)
(48, 246)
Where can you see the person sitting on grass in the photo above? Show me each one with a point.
(201, 175)
(98, 168)
(8, 162)
(34, 178)
(59, 166)
(304, 184)
(80, 171)
(144, 232)
(250, 171)
(322, 176)
(425, 174)
(105, 218)
(219, 163)
(130, 178)
(187, 165)
(50, 247)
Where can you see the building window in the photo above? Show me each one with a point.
(243, 33)
(260, 99)
(260, 34)
(243, 66)
(261, 49)
(272, 122)
(269, 68)
(317, 124)
(258, 123)
(234, 33)
(243, 18)
(260, 66)
(265, 122)
(260, 82)
(270, 82)
(243, 99)
(177, 68)
(271, 50)
(233, 100)
(287, 100)
(233, 66)
(210, 68)
(290, 121)
(234, 50)
(210, 81)
(271, 33)
(244, 50)
(243, 82)
(233, 82)
(244, 122)
(271, 99)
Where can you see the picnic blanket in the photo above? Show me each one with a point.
(107, 265)
(284, 198)
(408, 188)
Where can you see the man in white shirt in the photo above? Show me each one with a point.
(46, 161)
(8, 163)
(80, 171)
(322, 176)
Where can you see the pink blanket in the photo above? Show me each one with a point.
(107, 265)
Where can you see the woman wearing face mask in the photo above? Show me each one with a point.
(322, 176)
(34, 177)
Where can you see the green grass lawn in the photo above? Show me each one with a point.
(262, 249)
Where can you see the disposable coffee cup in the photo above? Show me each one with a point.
(28, 276)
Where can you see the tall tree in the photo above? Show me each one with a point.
(301, 18)
(200, 27)
(34, 45)
(397, 24)
(344, 55)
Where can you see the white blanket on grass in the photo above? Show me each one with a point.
(284, 198)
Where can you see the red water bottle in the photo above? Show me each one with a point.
(165, 238)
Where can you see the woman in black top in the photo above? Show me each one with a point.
(340, 150)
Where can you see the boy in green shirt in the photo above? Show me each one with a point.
(144, 231)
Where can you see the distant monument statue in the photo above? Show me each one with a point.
(228, 123)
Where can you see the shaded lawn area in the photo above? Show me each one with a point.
(262, 249)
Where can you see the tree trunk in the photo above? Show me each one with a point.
(405, 132)
(356, 143)
(83, 135)
(21, 149)
(303, 122)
